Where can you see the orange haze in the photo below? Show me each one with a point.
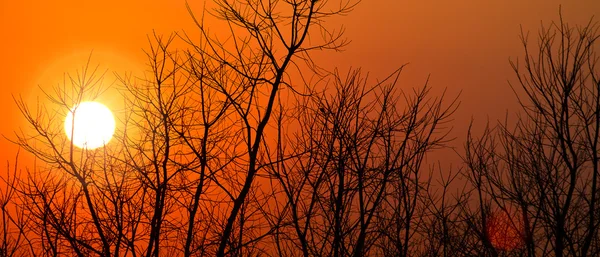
(465, 45)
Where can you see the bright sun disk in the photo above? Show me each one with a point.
(92, 127)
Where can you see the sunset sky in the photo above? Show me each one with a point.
(464, 45)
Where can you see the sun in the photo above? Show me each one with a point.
(504, 232)
(89, 125)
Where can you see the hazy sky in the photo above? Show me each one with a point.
(464, 45)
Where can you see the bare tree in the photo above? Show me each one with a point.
(13, 224)
(72, 200)
(352, 176)
(193, 128)
(268, 38)
(543, 170)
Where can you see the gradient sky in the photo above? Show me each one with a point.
(464, 45)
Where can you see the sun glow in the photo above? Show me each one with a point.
(504, 232)
(89, 125)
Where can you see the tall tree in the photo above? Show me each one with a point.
(542, 170)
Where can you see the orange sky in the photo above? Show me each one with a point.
(463, 44)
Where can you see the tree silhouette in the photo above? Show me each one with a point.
(543, 171)
(244, 146)
(353, 180)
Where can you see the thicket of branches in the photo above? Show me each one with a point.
(244, 146)
(542, 169)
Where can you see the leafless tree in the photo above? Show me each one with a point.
(76, 200)
(13, 225)
(542, 170)
(249, 70)
(351, 178)
(191, 135)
